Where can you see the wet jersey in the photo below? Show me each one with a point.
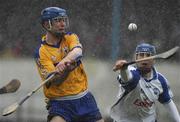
(47, 57)
(137, 97)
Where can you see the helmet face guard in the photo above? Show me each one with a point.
(145, 50)
(51, 15)
(61, 18)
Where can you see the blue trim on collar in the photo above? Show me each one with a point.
(69, 33)
(55, 46)
(155, 75)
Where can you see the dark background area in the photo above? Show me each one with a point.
(157, 21)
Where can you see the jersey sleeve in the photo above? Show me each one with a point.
(167, 94)
(44, 64)
(73, 41)
(131, 84)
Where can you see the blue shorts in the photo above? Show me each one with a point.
(78, 110)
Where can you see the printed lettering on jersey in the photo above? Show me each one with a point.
(143, 103)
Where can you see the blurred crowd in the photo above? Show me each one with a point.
(157, 21)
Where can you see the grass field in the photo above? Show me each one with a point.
(102, 83)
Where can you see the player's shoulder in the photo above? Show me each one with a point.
(131, 68)
(134, 70)
(162, 79)
(37, 51)
(71, 35)
(39, 48)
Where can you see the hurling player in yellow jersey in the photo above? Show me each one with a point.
(59, 53)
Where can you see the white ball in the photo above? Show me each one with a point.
(132, 27)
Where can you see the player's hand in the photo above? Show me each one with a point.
(119, 65)
(70, 65)
(62, 66)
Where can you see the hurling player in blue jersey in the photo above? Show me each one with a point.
(141, 86)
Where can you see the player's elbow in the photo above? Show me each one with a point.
(78, 52)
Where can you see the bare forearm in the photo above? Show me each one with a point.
(171, 108)
(74, 55)
(69, 61)
(126, 74)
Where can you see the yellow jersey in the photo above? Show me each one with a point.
(48, 56)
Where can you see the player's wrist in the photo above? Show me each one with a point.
(3, 90)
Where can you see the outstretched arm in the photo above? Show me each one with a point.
(171, 108)
(126, 74)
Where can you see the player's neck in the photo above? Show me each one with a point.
(148, 75)
(51, 39)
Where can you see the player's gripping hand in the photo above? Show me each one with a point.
(119, 65)
(62, 71)
(63, 66)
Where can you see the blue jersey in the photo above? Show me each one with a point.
(138, 96)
